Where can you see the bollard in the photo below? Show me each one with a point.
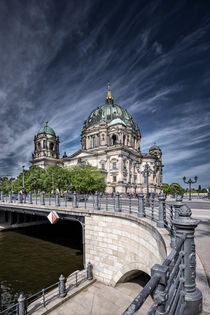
(141, 208)
(10, 197)
(117, 202)
(89, 271)
(178, 204)
(62, 286)
(162, 210)
(57, 199)
(42, 198)
(30, 197)
(75, 204)
(21, 305)
(96, 201)
(160, 295)
(185, 225)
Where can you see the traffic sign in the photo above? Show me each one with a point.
(53, 217)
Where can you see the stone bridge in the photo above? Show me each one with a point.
(119, 245)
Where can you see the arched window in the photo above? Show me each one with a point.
(114, 139)
(51, 146)
(39, 146)
(124, 140)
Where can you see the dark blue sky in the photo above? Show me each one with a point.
(56, 59)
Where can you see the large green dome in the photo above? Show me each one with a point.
(109, 112)
(46, 129)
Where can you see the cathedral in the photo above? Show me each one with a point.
(111, 142)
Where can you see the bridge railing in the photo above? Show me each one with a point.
(158, 210)
(31, 304)
(173, 284)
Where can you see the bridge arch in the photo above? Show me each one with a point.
(130, 272)
(118, 244)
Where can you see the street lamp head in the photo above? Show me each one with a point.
(196, 178)
(184, 178)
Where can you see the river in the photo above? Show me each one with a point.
(33, 258)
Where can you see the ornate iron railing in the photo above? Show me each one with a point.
(172, 284)
(31, 304)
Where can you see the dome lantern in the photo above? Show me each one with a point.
(109, 98)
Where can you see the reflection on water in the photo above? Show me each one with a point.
(32, 258)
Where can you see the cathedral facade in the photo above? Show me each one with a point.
(111, 141)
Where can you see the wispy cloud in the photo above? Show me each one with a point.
(57, 58)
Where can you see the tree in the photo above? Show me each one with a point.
(87, 179)
(199, 188)
(56, 177)
(166, 189)
(173, 189)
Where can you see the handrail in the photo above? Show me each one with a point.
(142, 296)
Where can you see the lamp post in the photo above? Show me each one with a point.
(146, 172)
(23, 175)
(190, 182)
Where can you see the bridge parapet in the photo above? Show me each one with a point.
(123, 236)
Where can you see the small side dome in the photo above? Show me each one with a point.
(46, 129)
(117, 121)
(154, 147)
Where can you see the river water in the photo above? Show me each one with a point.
(33, 258)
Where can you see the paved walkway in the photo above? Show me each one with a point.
(99, 299)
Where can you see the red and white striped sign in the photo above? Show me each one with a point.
(53, 217)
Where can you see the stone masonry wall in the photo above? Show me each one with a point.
(117, 244)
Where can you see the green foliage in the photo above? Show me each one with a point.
(87, 179)
(6, 184)
(173, 189)
(82, 178)
(56, 177)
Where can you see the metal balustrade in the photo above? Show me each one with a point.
(31, 304)
(172, 284)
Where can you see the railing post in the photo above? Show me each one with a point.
(117, 202)
(89, 271)
(19, 198)
(57, 199)
(30, 197)
(96, 202)
(10, 197)
(21, 305)
(162, 210)
(42, 199)
(185, 225)
(178, 204)
(75, 205)
(160, 295)
(141, 209)
(62, 286)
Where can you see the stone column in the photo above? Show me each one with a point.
(30, 197)
(75, 205)
(185, 225)
(42, 199)
(162, 210)
(96, 202)
(117, 202)
(57, 199)
(178, 204)
(141, 208)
